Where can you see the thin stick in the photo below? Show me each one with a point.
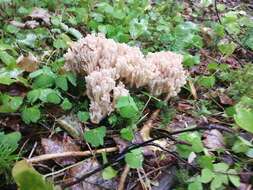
(62, 170)
(69, 154)
(123, 178)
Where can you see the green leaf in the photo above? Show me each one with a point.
(241, 145)
(83, 116)
(9, 103)
(53, 98)
(249, 153)
(75, 33)
(195, 186)
(190, 60)
(43, 81)
(216, 183)
(61, 82)
(33, 95)
(127, 133)
(66, 104)
(206, 81)
(126, 107)
(206, 162)
(71, 78)
(109, 173)
(137, 27)
(27, 178)
(206, 175)
(206, 3)
(31, 114)
(244, 118)
(10, 140)
(226, 48)
(244, 114)
(196, 144)
(29, 41)
(134, 158)
(220, 167)
(7, 59)
(59, 43)
(95, 136)
(235, 179)
(6, 80)
(213, 66)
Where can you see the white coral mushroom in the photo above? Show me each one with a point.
(106, 63)
(169, 73)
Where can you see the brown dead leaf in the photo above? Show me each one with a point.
(40, 14)
(72, 125)
(94, 182)
(193, 90)
(57, 146)
(184, 106)
(121, 144)
(31, 24)
(224, 99)
(207, 34)
(28, 63)
(244, 186)
(17, 24)
(213, 139)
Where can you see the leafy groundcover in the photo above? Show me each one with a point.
(200, 139)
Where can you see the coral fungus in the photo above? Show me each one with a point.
(106, 63)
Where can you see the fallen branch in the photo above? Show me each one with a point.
(69, 154)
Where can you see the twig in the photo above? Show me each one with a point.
(69, 154)
(62, 170)
(209, 127)
(32, 151)
(123, 178)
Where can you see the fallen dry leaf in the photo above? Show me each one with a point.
(184, 106)
(244, 186)
(57, 146)
(224, 99)
(121, 143)
(17, 24)
(207, 34)
(213, 139)
(94, 182)
(30, 24)
(193, 90)
(40, 14)
(28, 63)
(72, 125)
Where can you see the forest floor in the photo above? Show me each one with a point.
(199, 139)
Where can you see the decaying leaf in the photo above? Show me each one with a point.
(17, 24)
(40, 14)
(213, 139)
(72, 125)
(94, 182)
(225, 99)
(31, 24)
(207, 34)
(28, 63)
(57, 146)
